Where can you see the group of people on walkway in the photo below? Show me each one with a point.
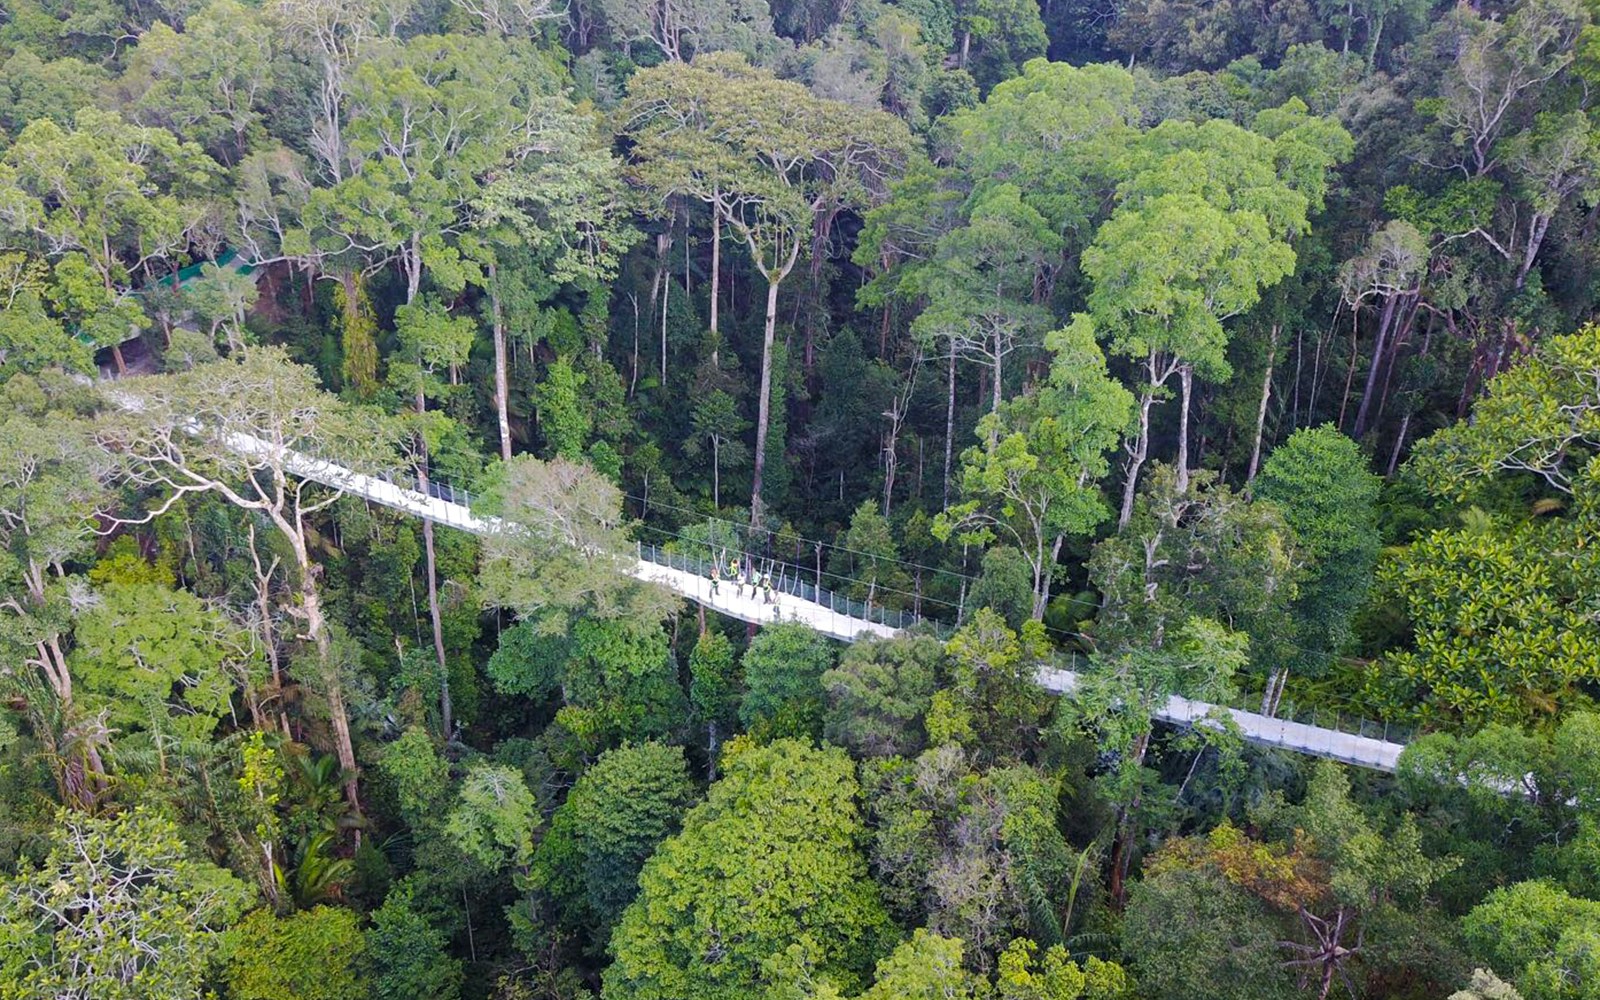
(743, 575)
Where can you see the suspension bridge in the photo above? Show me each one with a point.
(794, 600)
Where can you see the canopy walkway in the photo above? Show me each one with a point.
(797, 601)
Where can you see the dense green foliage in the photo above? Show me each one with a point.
(766, 884)
(1235, 351)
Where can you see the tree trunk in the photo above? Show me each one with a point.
(502, 380)
(1261, 412)
(1273, 690)
(716, 283)
(1041, 579)
(446, 715)
(633, 369)
(413, 266)
(1372, 43)
(56, 671)
(763, 407)
(1186, 387)
(434, 615)
(1349, 369)
(1405, 421)
(1536, 232)
(317, 628)
(949, 426)
(1368, 393)
(997, 383)
(1136, 457)
(1121, 844)
(263, 585)
(1399, 336)
(666, 298)
(891, 460)
(711, 747)
(663, 244)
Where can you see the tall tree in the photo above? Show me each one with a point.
(765, 882)
(1496, 67)
(1034, 483)
(1189, 933)
(681, 29)
(1496, 603)
(1539, 934)
(1202, 226)
(554, 210)
(777, 164)
(1390, 270)
(617, 813)
(968, 853)
(872, 558)
(982, 289)
(1319, 480)
(51, 482)
(109, 200)
(49, 488)
(236, 430)
(424, 122)
(783, 669)
(121, 195)
(209, 83)
(563, 548)
(118, 909)
(880, 693)
(431, 343)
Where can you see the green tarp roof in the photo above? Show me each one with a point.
(183, 277)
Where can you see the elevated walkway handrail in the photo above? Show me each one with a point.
(689, 575)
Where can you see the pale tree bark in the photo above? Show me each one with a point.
(335, 33)
(1041, 586)
(50, 660)
(1261, 411)
(446, 714)
(1405, 421)
(234, 429)
(666, 299)
(434, 616)
(999, 359)
(338, 712)
(774, 276)
(1385, 325)
(269, 639)
(502, 380)
(411, 263)
(716, 284)
(1160, 370)
(1137, 453)
(662, 283)
(1186, 388)
(949, 425)
(899, 410)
